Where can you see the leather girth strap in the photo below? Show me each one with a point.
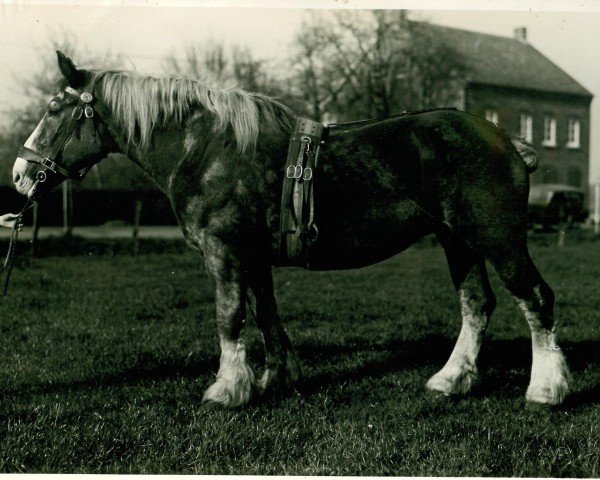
(297, 230)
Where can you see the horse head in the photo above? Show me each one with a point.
(69, 139)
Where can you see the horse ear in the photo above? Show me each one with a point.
(76, 78)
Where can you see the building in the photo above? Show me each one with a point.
(512, 84)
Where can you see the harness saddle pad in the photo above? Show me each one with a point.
(297, 228)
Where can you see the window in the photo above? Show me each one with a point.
(549, 131)
(526, 127)
(573, 130)
(491, 116)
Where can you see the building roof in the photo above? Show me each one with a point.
(507, 62)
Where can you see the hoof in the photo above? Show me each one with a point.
(460, 383)
(550, 377)
(235, 381)
(268, 387)
(228, 395)
(549, 397)
(277, 380)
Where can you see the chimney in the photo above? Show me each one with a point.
(520, 34)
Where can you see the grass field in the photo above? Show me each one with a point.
(105, 359)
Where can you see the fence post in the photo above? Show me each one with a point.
(561, 235)
(597, 208)
(36, 229)
(136, 227)
(67, 201)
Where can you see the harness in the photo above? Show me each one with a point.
(297, 228)
(83, 110)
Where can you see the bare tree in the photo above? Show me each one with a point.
(199, 63)
(217, 65)
(371, 64)
(225, 67)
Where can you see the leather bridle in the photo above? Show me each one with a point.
(83, 110)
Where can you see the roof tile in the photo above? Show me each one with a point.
(507, 62)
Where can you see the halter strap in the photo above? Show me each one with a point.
(84, 110)
(46, 162)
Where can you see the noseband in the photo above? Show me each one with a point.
(83, 110)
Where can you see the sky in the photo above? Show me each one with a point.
(146, 31)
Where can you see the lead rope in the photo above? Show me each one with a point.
(12, 247)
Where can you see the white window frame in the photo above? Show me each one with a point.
(549, 139)
(526, 127)
(491, 116)
(573, 133)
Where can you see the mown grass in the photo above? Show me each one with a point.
(104, 361)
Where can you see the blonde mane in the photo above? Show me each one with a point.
(141, 103)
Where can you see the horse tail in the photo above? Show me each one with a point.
(526, 152)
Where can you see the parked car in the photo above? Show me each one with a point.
(553, 204)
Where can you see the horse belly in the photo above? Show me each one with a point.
(357, 237)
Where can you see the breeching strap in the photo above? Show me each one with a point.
(297, 229)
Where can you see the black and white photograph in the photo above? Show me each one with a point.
(341, 238)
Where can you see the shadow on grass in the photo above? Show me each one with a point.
(146, 369)
(502, 363)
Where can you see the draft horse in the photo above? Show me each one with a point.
(218, 154)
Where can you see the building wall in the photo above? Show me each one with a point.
(559, 164)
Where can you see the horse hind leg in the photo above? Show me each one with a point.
(234, 383)
(282, 368)
(477, 302)
(550, 376)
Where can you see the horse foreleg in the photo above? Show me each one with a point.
(477, 303)
(235, 379)
(282, 368)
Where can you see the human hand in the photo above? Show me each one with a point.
(8, 220)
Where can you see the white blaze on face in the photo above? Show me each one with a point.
(23, 181)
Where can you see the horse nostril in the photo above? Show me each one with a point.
(16, 177)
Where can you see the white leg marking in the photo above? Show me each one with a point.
(550, 375)
(460, 374)
(235, 380)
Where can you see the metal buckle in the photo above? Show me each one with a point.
(294, 171)
(77, 112)
(41, 176)
(89, 112)
(307, 174)
(49, 164)
(307, 141)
